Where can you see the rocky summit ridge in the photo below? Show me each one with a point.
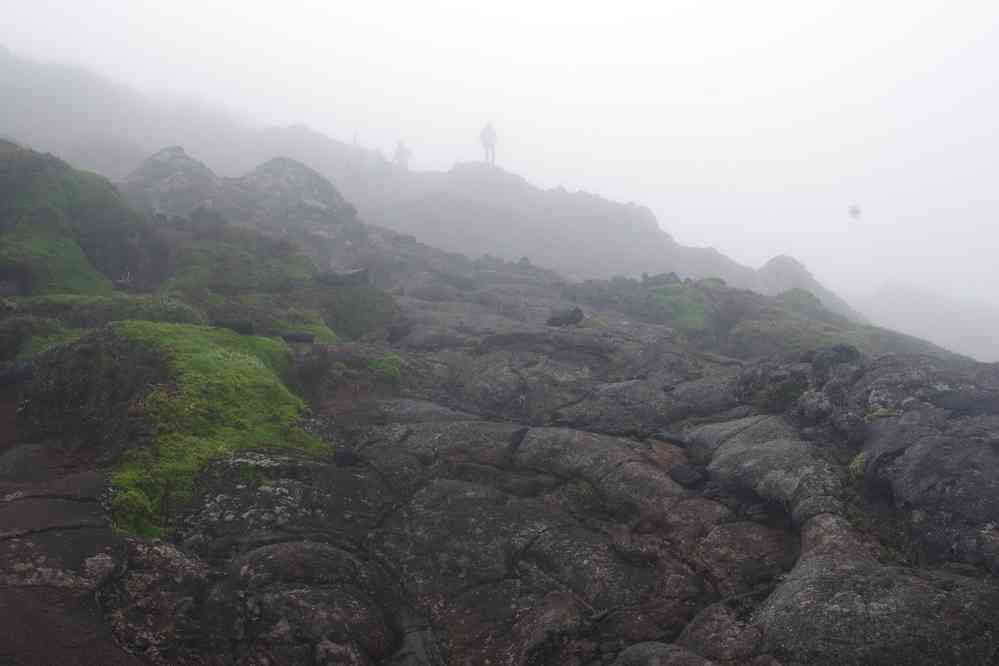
(470, 209)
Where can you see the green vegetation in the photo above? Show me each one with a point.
(232, 260)
(23, 335)
(226, 394)
(354, 311)
(858, 465)
(37, 344)
(685, 307)
(241, 275)
(387, 369)
(45, 259)
(780, 334)
(33, 325)
(83, 311)
(275, 314)
(806, 304)
(881, 413)
(51, 216)
(657, 299)
(300, 321)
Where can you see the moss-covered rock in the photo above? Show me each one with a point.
(93, 311)
(83, 395)
(354, 311)
(25, 335)
(67, 230)
(225, 393)
(659, 300)
(229, 260)
(40, 255)
(156, 402)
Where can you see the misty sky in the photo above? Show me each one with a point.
(747, 126)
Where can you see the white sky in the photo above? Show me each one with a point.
(747, 126)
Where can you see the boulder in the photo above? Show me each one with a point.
(568, 317)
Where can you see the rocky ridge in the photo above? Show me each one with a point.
(471, 206)
(478, 486)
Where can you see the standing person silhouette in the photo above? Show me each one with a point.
(402, 155)
(488, 138)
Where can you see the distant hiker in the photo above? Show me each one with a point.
(488, 138)
(402, 155)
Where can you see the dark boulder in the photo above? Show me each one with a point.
(346, 458)
(568, 317)
(300, 338)
(688, 475)
(19, 372)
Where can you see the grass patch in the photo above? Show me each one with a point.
(316, 327)
(386, 369)
(225, 394)
(37, 344)
(881, 413)
(858, 465)
(23, 336)
(48, 260)
(686, 308)
(91, 219)
(657, 300)
(92, 311)
(233, 260)
(354, 311)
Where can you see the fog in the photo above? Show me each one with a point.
(749, 127)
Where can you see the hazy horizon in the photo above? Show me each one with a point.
(745, 128)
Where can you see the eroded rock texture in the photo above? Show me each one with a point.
(526, 494)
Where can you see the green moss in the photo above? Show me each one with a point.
(682, 306)
(881, 413)
(37, 344)
(387, 369)
(50, 182)
(23, 336)
(685, 306)
(354, 311)
(780, 334)
(232, 260)
(91, 214)
(276, 314)
(46, 259)
(858, 465)
(226, 394)
(316, 327)
(17, 333)
(594, 322)
(90, 311)
(272, 315)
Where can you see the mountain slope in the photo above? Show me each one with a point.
(66, 230)
(472, 480)
(472, 209)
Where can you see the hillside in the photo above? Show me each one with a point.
(471, 209)
(264, 456)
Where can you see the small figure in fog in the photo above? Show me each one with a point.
(402, 155)
(488, 138)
